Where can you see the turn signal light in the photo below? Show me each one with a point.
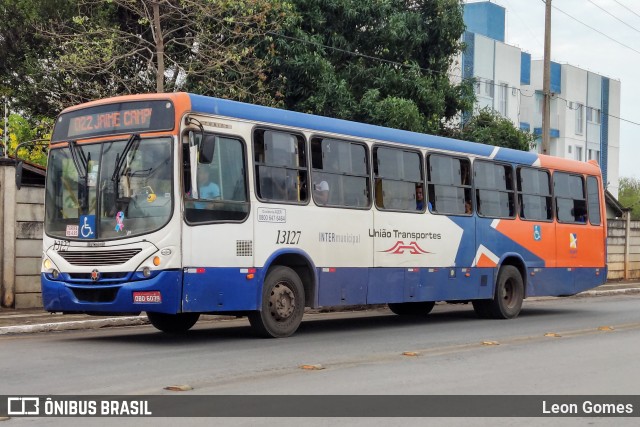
(156, 261)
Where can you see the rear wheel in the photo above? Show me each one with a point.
(507, 300)
(282, 304)
(421, 308)
(173, 323)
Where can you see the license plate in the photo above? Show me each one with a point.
(153, 297)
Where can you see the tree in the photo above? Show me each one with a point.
(117, 47)
(21, 131)
(629, 195)
(380, 62)
(488, 127)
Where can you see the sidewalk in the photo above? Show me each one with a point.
(36, 320)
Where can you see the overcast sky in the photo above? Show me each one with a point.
(576, 44)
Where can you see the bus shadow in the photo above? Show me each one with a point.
(238, 330)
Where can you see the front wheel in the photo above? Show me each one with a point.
(282, 304)
(421, 308)
(173, 323)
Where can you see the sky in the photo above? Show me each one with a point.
(598, 49)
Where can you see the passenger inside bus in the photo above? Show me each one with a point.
(419, 197)
(321, 192)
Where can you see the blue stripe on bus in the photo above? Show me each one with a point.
(60, 296)
(268, 115)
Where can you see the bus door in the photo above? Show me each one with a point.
(217, 243)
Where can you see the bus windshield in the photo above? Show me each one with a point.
(90, 201)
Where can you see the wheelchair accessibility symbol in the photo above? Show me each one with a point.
(537, 233)
(87, 226)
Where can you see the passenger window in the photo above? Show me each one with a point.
(534, 194)
(221, 183)
(571, 205)
(280, 166)
(494, 189)
(593, 193)
(340, 173)
(449, 185)
(398, 173)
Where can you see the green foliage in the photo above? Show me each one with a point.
(382, 62)
(629, 195)
(488, 127)
(21, 131)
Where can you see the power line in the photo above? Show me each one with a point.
(594, 29)
(627, 8)
(613, 16)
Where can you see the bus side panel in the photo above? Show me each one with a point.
(386, 285)
(342, 286)
(550, 282)
(220, 289)
(457, 284)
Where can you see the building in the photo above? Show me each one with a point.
(585, 106)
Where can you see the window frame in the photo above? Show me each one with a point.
(468, 187)
(519, 193)
(375, 176)
(477, 189)
(247, 188)
(302, 141)
(367, 176)
(584, 195)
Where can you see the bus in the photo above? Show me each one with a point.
(179, 205)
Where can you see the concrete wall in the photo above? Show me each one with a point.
(619, 256)
(21, 227)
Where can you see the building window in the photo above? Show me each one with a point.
(593, 115)
(579, 153)
(488, 88)
(579, 118)
(502, 101)
(569, 147)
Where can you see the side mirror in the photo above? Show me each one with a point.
(207, 148)
(19, 174)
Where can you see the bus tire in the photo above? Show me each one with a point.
(282, 304)
(173, 323)
(507, 299)
(421, 308)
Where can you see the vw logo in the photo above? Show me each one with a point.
(95, 275)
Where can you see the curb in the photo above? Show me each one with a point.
(76, 324)
(142, 320)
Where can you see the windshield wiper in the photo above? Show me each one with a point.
(120, 160)
(81, 162)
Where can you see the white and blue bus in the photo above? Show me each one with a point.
(180, 204)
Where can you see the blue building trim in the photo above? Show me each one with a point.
(525, 68)
(553, 133)
(485, 18)
(556, 77)
(525, 126)
(274, 116)
(604, 130)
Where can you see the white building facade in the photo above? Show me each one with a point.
(585, 106)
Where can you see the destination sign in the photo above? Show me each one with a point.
(113, 119)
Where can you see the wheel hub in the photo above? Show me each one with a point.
(282, 302)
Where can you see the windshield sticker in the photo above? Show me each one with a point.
(87, 226)
(71, 231)
(119, 221)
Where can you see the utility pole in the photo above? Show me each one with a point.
(546, 80)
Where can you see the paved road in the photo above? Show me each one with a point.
(595, 352)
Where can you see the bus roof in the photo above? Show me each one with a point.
(223, 107)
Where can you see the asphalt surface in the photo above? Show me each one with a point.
(20, 321)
